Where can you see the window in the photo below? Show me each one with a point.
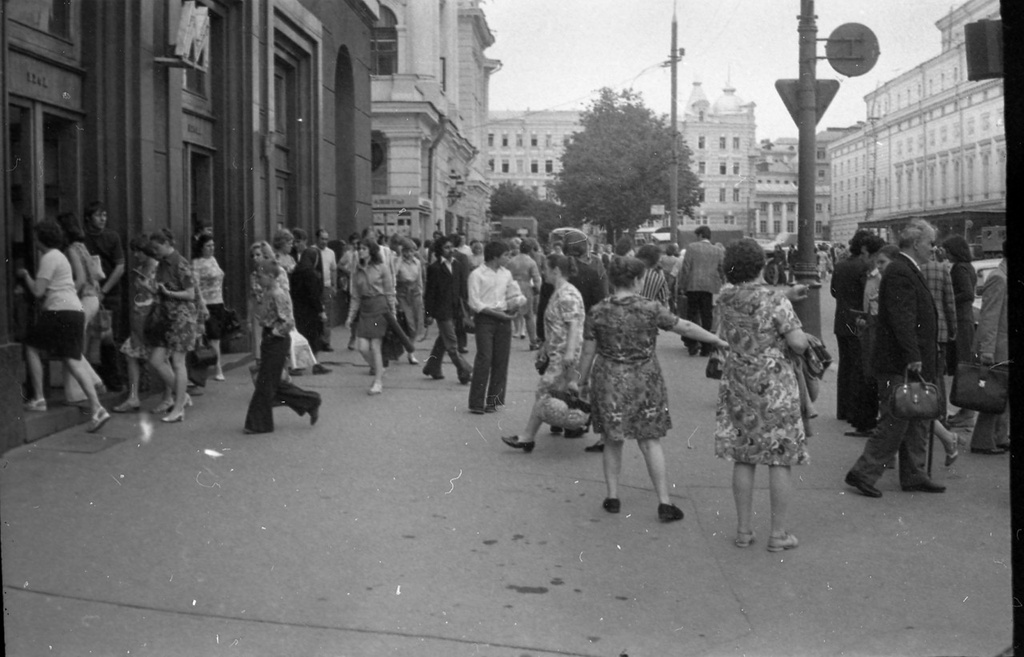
(519, 140)
(821, 174)
(700, 195)
(701, 142)
(764, 226)
(533, 140)
(702, 167)
(735, 168)
(986, 122)
(490, 165)
(764, 208)
(790, 226)
(735, 194)
(970, 125)
(721, 143)
(52, 16)
(777, 208)
(384, 44)
(821, 154)
(721, 195)
(490, 139)
(791, 207)
(549, 166)
(534, 166)
(736, 143)
(547, 140)
(504, 139)
(504, 166)
(943, 134)
(777, 226)
(519, 167)
(722, 168)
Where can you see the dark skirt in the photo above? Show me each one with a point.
(59, 333)
(215, 322)
(373, 323)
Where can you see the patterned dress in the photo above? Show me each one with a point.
(627, 390)
(758, 418)
(176, 274)
(144, 295)
(564, 307)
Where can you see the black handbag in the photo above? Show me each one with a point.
(816, 357)
(982, 388)
(203, 355)
(915, 398)
(716, 360)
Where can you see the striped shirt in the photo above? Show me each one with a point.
(654, 286)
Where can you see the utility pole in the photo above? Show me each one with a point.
(806, 267)
(673, 183)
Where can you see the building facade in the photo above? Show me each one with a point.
(933, 145)
(430, 83)
(525, 148)
(177, 113)
(721, 137)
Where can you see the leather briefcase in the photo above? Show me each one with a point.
(982, 388)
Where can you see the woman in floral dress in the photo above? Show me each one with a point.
(758, 418)
(177, 293)
(143, 291)
(563, 323)
(627, 390)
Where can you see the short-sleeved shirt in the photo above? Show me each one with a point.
(60, 292)
(210, 277)
(626, 329)
(107, 245)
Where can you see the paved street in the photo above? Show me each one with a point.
(400, 525)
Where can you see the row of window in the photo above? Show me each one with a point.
(776, 207)
(723, 168)
(723, 141)
(819, 227)
(520, 140)
(549, 166)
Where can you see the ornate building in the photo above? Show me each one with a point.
(721, 137)
(933, 145)
(430, 83)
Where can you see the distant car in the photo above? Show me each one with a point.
(982, 268)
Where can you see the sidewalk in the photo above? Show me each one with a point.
(400, 525)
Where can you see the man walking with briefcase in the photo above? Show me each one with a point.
(906, 342)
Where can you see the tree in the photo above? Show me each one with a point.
(618, 165)
(510, 200)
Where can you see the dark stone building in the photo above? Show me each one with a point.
(178, 113)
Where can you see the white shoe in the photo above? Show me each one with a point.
(412, 360)
(99, 418)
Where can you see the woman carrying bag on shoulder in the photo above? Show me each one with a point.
(563, 323)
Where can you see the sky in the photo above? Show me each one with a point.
(556, 54)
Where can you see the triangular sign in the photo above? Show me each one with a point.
(825, 91)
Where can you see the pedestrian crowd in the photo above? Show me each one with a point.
(592, 315)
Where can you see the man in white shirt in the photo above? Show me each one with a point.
(488, 290)
(329, 262)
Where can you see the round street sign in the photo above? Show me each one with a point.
(852, 49)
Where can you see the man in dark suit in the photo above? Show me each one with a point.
(442, 299)
(906, 339)
(459, 256)
(852, 387)
(700, 276)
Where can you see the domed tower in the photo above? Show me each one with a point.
(729, 102)
(697, 107)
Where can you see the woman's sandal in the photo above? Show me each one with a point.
(744, 539)
(785, 542)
